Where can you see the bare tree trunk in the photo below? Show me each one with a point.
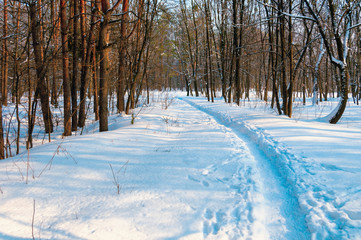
(283, 58)
(291, 65)
(211, 81)
(55, 22)
(17, 79)
(2, 153)
(31, 118)
(5, 56)
(222, 45)
(236, 52)
(38, 45)
(273, 60)
(2, 80)
(74, 82)
(66, 78)
(315, 78)
(104, 63)
(196, 57)
(122, 52)
(86, 57)
(104, 67)
(95, 82)
(189, 44)
(138, 52)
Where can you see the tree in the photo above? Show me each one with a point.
(75, 73)
(2, 155)
(87, 51)
(40, 65)
(5, 57)
(65, 60)
(104, 62)
(338, 54)
(122, 56)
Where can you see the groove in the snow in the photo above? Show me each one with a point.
(277, 192)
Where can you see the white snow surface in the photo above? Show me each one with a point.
(196, 170)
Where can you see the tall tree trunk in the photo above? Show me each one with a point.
(273, 59)
(5, 56)
(122, 52)
(283, 58)
(196, 57)
(17, 78)
(74, 82)
(66, 78)
(55, 23)
(211, 81)
(291, 68)
(236, 52)
(240, 43)
(2, 153)
(222, 45)
(316, 75)
(104, 64)
(31, 117)
(86, 57)
(104, 68)
(38, 45)
(95, 82)
(189, 43)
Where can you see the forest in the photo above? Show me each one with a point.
(59, 55)
(180, 119)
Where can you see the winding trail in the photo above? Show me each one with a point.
(271, 203)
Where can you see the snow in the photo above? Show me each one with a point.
(190, 169)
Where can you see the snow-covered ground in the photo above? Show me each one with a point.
(191, 170)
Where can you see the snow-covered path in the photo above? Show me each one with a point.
(182, 175)
(270, 205)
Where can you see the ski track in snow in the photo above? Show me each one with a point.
(274, 206)
(189, 176)
(317, 203)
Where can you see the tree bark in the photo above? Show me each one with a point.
(5, 56)
(122, 52)
(236, 52)
(291, 65)
(74, 82)
(65, 60)
(86, 58)
(282, 28)
(54, 88)
(104, 66)
(211, 80)
(38, 45)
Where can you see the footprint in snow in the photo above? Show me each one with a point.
(205, 183)
(208, 214)
(193, 178)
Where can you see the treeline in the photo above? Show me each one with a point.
(74, 52)
(281, 49)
